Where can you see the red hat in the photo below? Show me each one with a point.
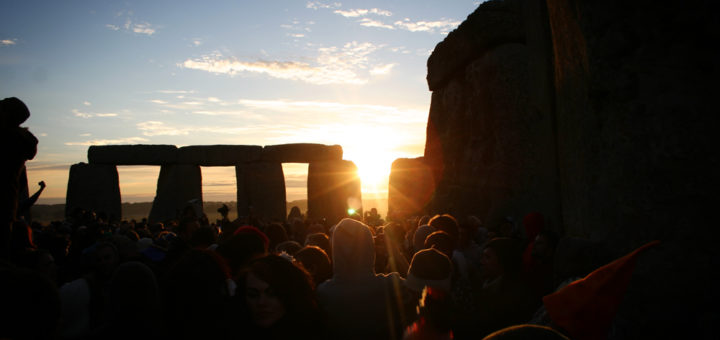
(587, 307)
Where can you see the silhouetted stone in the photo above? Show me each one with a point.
(261, 190)
(140, 154)
(176, 186)
(333, 187)
(410, 189)
(94, 187)
(493, 155)
(302, 153)
(20, 145)
(612, 136)
(218, 155)
(493, 23)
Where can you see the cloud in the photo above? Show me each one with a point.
(384, 69)
(197, 42)
(133, 26)
(318, 5)
(367, 22)
(87, 103)
(143, 28)
(353, 13)
(334, 65)
(296, 35)
(7, 42)
(86, 115)
(155, 128)
(129, 140)
(175, 91)
(443, 26)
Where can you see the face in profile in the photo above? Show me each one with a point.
(265, 307)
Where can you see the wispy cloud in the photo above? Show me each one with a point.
(131, 25)
(8, 42)
(443, 26)
(81, 114)
(318, 5)
(367, 22)
(384, 69)
(129, 140)
(353, 13)
(175, 91)
(155, 128)
(333, 65)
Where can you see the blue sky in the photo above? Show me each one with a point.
(222, 72)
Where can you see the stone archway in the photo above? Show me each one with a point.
(260, 179)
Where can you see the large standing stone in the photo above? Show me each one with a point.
(218, 155)
(410, 189)
(492, 154)
(333, 188)
(132, 154)
(176, 186)
(94, 187)
(637, 124)
(261, 191)
(302, 153)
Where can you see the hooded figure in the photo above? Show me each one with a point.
(359, 304)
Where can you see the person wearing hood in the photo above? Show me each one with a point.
(358, 303)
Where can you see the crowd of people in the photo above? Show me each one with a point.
(422, 278)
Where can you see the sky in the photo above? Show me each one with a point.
(222, 72)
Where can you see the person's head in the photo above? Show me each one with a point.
(521, 332)
(353, 250)
(534, 223)
(394, 233)
(105, 258)
(316, 262)
(241, 248)
(187, 227)
(421, 234)
(319, 239)
(276, 289)
(429, 267)
(446, 223)
(544, 247)
(276, 234)
(501, 256)
(441, 241)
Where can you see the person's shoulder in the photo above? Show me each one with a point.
(393, 277)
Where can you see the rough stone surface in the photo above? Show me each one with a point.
(140, 154)
(301, 153)
(218, 155)
(493, 23)
(410, 189)
(177, 184)
(333, 187)
(261, 191)
(94, 187)
(492, 155)
(605, 122)
(636, 128)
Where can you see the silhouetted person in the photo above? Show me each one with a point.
(30, 305)
(359, 304)
(279, 298)
(22, 146)
(316, 262)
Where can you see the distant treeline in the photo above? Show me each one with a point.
(46, 213)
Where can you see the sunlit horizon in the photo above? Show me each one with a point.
(243, 73)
